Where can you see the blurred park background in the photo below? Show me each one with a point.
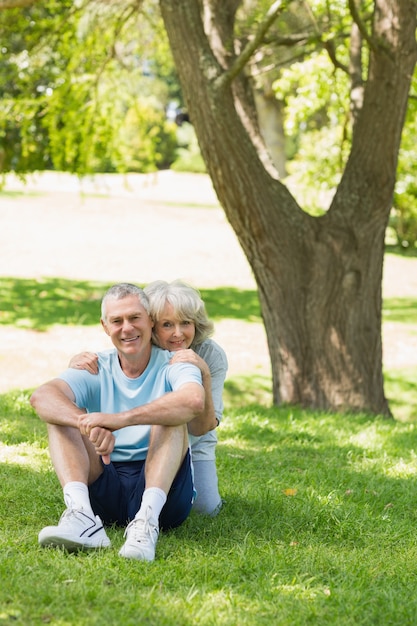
(64, 239)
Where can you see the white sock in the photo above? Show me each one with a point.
(155, 498)
(76, 496)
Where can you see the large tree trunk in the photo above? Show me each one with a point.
(319, 279)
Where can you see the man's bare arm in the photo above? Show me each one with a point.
(172, 409)
(197, 426)
(54, 402)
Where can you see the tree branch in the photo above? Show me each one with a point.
(330, 49)
(362, 28)
(122, 19)
(227, 77)
(290, 40)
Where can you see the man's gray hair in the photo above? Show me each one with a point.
(123, 290)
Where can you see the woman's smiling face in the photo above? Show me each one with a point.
(172, 333)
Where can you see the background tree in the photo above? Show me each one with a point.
(319, 278)
(28, 71)
(81, 91)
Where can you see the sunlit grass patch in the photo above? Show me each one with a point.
(24, 454)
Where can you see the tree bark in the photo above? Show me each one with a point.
(319, 278)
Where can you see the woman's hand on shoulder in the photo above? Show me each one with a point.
(85, 361)
(189, 356)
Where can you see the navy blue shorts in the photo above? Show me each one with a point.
(116, 495)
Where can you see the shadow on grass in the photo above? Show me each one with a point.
(400, 251)
(246, 390)
(401, 391)
(403, 310)
(39, 303)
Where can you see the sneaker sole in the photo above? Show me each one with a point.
(71, 545)
(135, 555)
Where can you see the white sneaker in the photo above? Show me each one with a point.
(141, 537)
(75, 531)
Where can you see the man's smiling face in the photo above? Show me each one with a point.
(128, 325)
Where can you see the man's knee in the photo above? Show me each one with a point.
(161, 434)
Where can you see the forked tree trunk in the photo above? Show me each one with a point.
(319, 279)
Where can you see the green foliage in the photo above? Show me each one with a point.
(188, 157)
(403, 219)
(318, 527)
(23, 140)
(77, 81)
(76, 89)
(110, 122)
(28, 70)
(147, 140)
(316, 117)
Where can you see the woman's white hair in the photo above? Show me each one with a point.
(186, 303)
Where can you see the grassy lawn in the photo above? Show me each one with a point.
(318, 527)
(319, 522)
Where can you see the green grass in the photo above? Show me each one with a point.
(319, 527)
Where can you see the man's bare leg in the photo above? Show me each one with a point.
(76, 465)
(167, 449)
(73, 456)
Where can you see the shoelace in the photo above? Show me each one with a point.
(68, 513)
(141, 529)
(77, 513)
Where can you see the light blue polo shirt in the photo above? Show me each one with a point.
(111, 391)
